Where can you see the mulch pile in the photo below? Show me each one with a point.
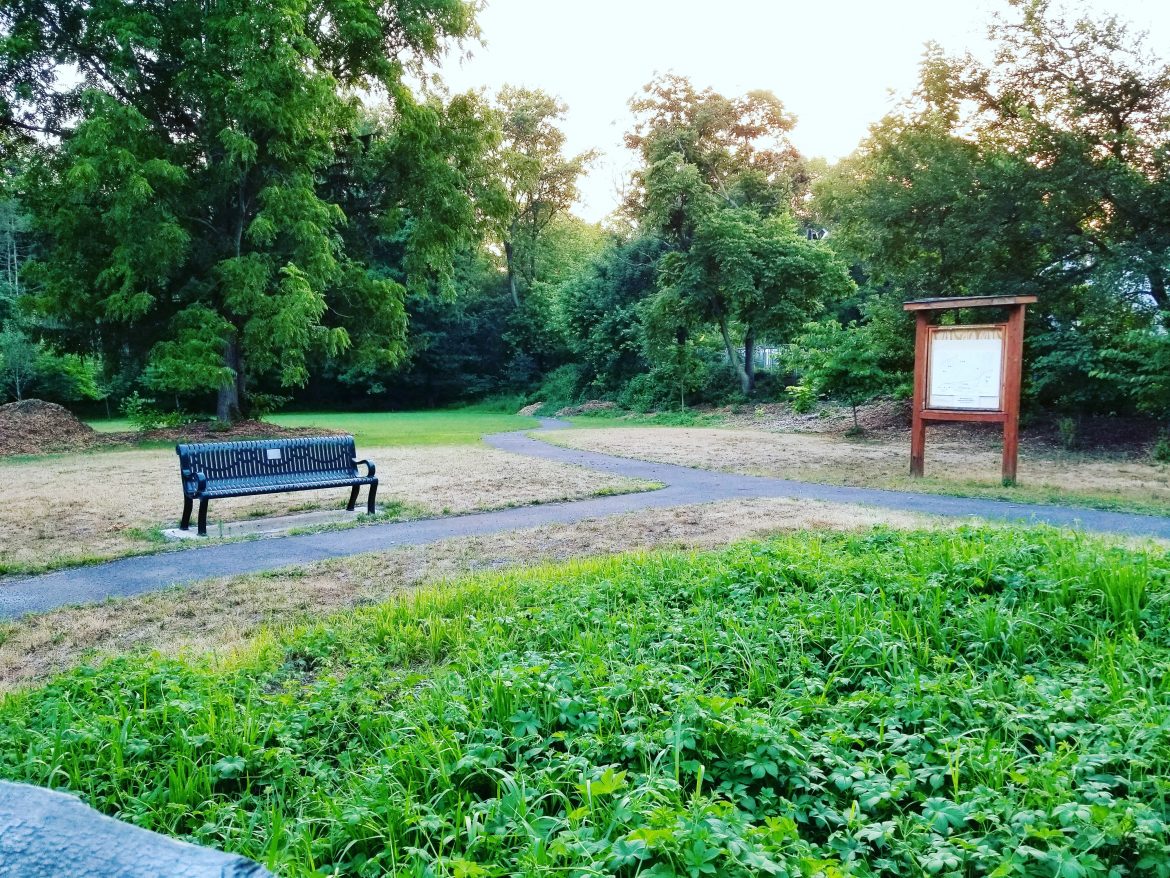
(880, 415)
(33, 426)
(594, 405)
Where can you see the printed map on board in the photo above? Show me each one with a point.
(966, 368)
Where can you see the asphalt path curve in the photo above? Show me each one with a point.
(683, 486)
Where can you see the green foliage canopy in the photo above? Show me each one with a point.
(718, 185)
(182, 173)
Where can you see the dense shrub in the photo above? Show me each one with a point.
(561, 387)
(144, 414)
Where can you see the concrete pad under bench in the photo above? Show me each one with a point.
(273, 524)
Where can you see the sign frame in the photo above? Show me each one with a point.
(1011, 374)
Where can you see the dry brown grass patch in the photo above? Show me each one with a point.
(217, 616)
(103, 505)
(964, 460)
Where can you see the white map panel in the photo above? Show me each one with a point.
(966, 368)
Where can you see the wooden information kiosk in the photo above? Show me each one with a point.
(968, 373)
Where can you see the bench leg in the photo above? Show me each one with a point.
(202, 518)
(370, 499)
(185, 524)
(353, 492)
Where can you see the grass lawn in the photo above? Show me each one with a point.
(385, 429)
(977, 702)
(111, 425)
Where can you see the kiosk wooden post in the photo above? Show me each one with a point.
(971, 383)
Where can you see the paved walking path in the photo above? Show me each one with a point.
(684, 486)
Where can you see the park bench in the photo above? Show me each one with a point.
(211, 470)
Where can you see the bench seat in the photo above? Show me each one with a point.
(276, 484)
(214, 470)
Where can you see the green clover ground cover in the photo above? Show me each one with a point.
(984, 702)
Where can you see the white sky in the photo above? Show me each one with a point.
(833, 63)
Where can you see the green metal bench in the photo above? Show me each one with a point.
(211, 470)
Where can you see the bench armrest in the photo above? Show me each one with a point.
(370, 467)
(198, 478)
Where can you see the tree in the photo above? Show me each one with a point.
(738, 148)
(19, 359)
(29, 366)
(1139, 361)
(600, 312)
(1046, 173)
(180, 181)
(719, 183)
(1087, 105)
(418, 187)
(840, 361)
(15, 251)
(1039, 173)
(541, 182)
(534, 333)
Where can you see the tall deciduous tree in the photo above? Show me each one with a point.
(719, 184)
(180, 179)
(1037, 174)
(1087, 104)
(18, 362)
(15, 251)
(600, 312)
(541, 181)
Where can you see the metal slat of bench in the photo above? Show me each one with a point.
(211, 470)
(256, 485)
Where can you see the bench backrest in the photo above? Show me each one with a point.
(263, 457)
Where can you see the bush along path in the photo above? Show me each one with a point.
(987, 703)
(684, 486)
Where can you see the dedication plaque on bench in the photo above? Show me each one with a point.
(965, 369)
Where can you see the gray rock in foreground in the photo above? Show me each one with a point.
(45, 834)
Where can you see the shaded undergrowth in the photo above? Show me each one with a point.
(981, 702)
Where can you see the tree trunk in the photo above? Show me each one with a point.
(733, 357)
(241, 386)
(1158, 288)
(680, 338)
(749, 360)
(509, 255)
(227, 407)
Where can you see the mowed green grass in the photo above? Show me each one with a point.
(440, 427)
(985, 702)
(111, 425)
(383, 429)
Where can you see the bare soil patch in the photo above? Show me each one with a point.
(220, 615)
(965, 460)
(86, 507)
